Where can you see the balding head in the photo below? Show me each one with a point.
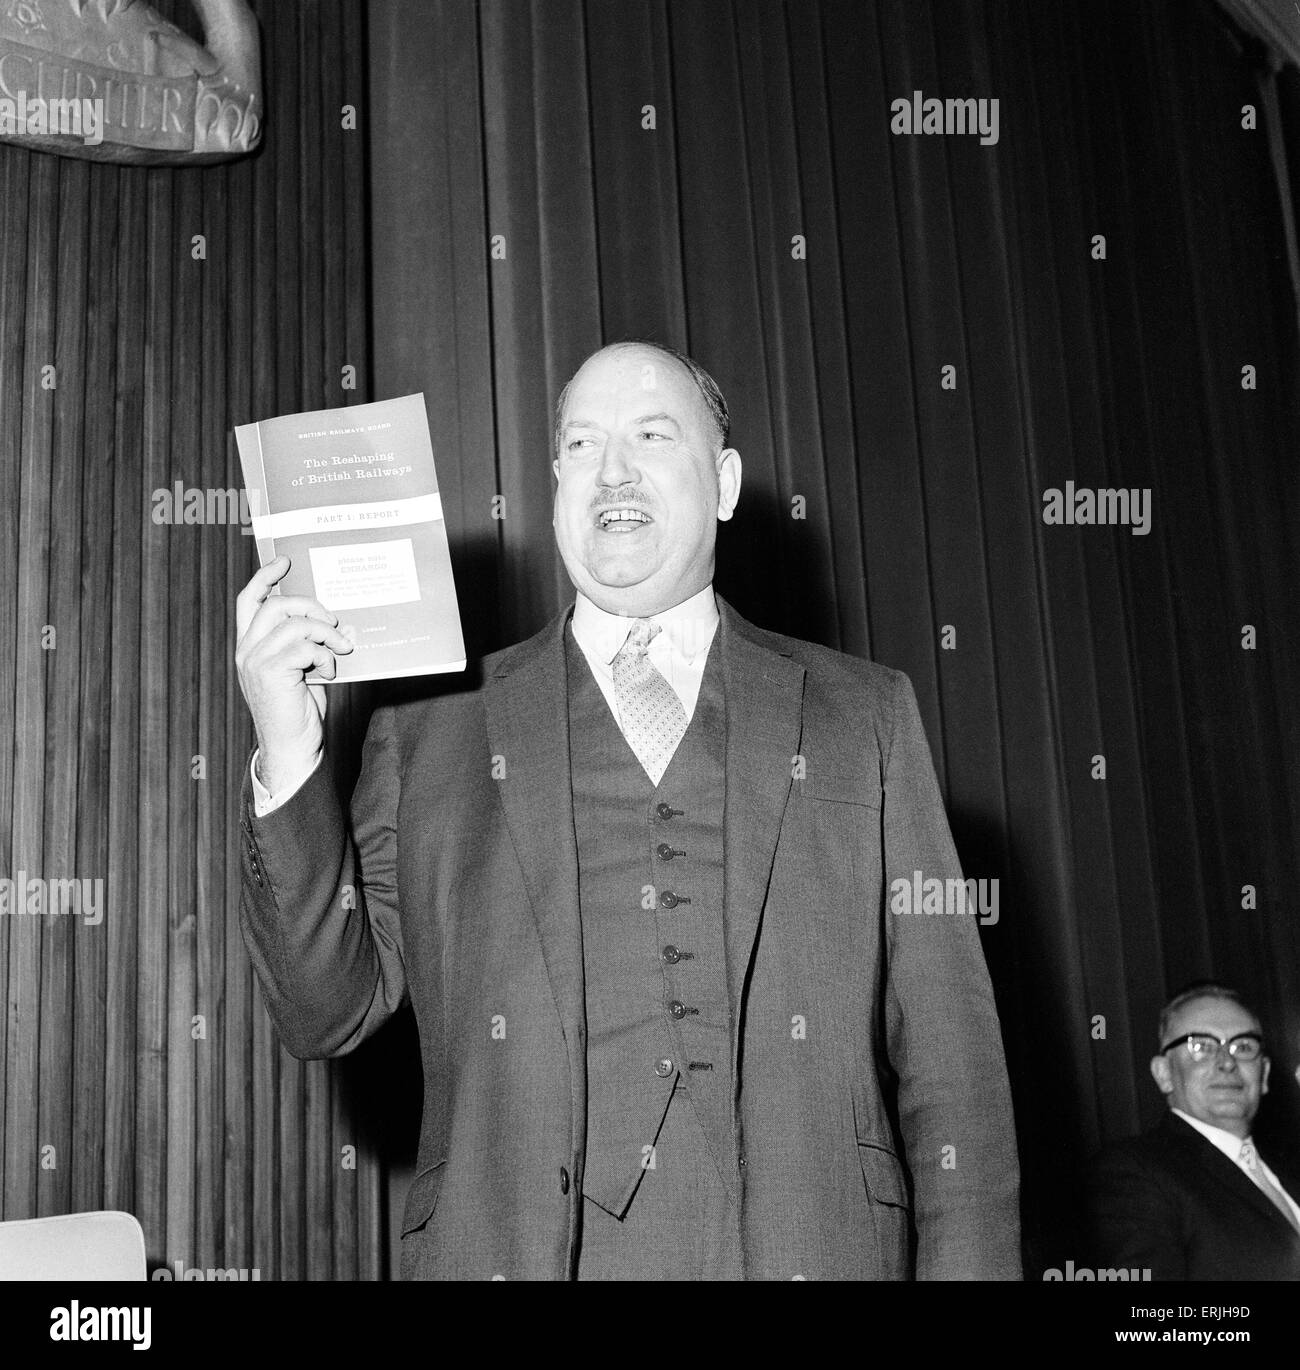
(659, 354)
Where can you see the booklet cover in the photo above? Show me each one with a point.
(351, 497)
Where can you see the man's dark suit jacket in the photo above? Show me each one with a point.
(888, 1110)
(1171, 1202)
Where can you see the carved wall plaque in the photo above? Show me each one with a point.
(113, 81)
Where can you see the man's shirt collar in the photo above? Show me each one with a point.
(1227, 1142)
(687, 627)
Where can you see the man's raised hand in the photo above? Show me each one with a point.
(280, 639)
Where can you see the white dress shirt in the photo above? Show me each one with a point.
(1230, 1144)
(678, 653)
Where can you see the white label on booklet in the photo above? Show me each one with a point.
(365, 575)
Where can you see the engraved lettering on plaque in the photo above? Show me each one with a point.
(113, 81)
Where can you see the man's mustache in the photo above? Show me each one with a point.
(627, 497)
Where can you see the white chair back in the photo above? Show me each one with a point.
(75, 1246)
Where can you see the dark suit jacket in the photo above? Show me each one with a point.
(1170, 1201)
(890, 1108)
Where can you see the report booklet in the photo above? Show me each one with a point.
(351, 497)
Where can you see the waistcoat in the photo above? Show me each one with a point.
(650, 882)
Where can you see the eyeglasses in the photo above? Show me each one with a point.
(1204, 1046)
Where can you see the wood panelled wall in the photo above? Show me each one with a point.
(138, 1068)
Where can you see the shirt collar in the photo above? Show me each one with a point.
(688, 627)
(1227, 1142)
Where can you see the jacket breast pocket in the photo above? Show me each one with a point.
(421, 1202)
(831, 841)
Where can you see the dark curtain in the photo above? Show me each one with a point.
(1036, 650)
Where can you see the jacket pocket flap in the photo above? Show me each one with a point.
(841, 788)
(422, 1198)
(883, 1173)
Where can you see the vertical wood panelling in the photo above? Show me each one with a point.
(90, 1040)
(54, 1106)
(156, 742)
(13, 232)
(137, 1066)
(22, 1139)
(125, 884)
(212, 743)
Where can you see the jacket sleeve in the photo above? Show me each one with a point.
(318, 905)
(942, 1035)
(1133, 1222)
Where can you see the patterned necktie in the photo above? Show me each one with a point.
(1250, 1163)
(651, 715)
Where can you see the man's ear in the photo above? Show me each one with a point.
(728, 467)
(1160, 1074)
(1263, 1078)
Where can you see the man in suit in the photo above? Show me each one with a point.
(633, 880)
(1193, 1199)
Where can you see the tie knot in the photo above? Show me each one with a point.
(1249, 1157)
(642, 633)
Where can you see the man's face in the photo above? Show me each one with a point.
(641, 483)
(1218, 1090)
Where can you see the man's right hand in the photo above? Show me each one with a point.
(281, 638)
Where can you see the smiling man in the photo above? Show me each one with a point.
(1194, 1199)
(633, 885)
(643, 474)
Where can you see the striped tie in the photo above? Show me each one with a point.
(1250, 1164)
(651, 715)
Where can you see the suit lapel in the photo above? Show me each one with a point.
(1222, 1168)
(764, 695)
(526, 702)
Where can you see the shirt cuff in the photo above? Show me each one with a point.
(264, 801)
